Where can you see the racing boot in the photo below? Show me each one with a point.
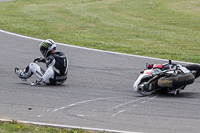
(22, 75)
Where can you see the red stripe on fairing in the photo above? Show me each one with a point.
(148, 72)
(158, 66)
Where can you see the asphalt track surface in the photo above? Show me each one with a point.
(97, 94)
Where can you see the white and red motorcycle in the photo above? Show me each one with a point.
(165, 78)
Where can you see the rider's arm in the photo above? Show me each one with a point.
(40, 59)
(49, 73)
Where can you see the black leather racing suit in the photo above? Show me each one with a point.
(57, 68)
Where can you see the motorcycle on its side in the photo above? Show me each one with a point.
(165, 78)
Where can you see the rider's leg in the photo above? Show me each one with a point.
(31, 69)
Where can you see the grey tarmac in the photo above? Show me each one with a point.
(97, 94)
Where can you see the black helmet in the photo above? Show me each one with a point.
(47, 46)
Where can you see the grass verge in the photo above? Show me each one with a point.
(15, 127)
(156, 28)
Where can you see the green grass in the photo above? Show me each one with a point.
(15, 127)
(167, 29)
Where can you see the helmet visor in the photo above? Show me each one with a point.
(43, 50)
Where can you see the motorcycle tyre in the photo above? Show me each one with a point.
(176, 81)
(194, 67)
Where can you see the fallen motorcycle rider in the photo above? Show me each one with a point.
(56, 62)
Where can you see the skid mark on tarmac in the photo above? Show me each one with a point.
(121, 108)
(75, 104)
(142, 101)
(119, 112)
(124, 104)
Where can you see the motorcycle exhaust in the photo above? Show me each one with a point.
(143, 87)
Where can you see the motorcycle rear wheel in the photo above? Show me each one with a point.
(194, 67)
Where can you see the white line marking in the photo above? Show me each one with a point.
(80, 115)
(62, 107)
(86, 101)
(152, 98)
(55, 110)
(144, 102)
(73, 127)
(119, 112)
(135, 105)
(91, 49)
(39, 115)
(127, 103)
(89, 101)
